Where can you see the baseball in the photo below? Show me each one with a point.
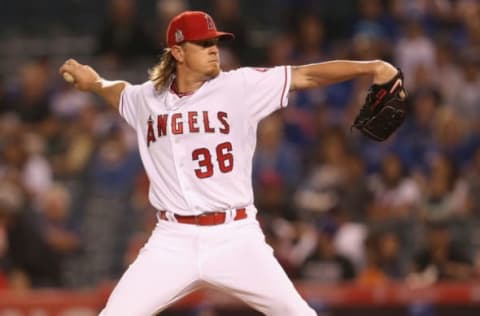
(68, 77)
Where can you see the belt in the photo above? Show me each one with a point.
(205, 219)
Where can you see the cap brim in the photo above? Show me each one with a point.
(215, 34)
(225, 35)
(219, 35)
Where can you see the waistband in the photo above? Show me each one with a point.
(205, 219)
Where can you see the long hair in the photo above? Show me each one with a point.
(161, 73)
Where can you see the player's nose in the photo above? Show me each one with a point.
(213, 49)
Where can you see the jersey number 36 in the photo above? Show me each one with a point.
(204, 157)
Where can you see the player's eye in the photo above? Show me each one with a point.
(207, 43)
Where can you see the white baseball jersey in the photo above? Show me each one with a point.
(197, 149)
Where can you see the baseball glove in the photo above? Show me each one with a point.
(384, 109)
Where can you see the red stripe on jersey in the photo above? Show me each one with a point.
(284, 88)
(121, 103)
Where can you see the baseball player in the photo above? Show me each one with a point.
(196, 130)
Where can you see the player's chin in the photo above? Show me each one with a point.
(213, 70)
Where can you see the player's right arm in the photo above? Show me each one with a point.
(334, 71)
(87, 79)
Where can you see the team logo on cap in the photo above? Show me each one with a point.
(210, 24)
(179, 36)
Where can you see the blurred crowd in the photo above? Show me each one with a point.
(335, 206)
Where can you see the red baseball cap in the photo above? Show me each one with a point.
(192, 26)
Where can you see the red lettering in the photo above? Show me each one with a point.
(177, 127)
(192, 122)
(150, 133)
(162, 124)
(206, 123)
(204, 161)
(222, 117)
(225, 157)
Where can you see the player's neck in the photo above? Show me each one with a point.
(184, 84)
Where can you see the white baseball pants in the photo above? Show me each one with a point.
(180, 258)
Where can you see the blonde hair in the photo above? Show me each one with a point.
(161, 73)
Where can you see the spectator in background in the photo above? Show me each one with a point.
(416, 142)
(454, 136)
(272, 197)
(354, 195)
(13, 156)
(123, 37)
(384, 262)
(439, 260)
(437, 16)
(467, 97)
(395, 204)
(67, 103)
(12, 199)
(304, 46)
(446, 192)
(423, 77)
(32, 258)
(55, 210)
(57, 229)
(165, 10)
(290, 238)
(145, 219)
(375, 22)
(71, 151)
(414, 50)
(106, 227)
(37, 172)
(23, 155)
(447, 74)
(318, 193)
(372, 274)
(30, 99)
(468, 14)
(349, 235)
(324, 264)
(395, 195)
(227, 16)
(472, 176)
(275, 155)
(446, 199)
(280, 234)
(280, 49)
(292, 241)
(310, 36)
(391, 258)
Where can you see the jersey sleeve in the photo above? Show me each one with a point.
(130, 101)
(266, 89)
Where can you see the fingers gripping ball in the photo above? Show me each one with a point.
(68, 77)
(384, 109)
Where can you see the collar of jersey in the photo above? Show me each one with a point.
(173, 89)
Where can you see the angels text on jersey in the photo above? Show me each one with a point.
(189, 122)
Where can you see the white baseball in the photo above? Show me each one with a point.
(68, 77)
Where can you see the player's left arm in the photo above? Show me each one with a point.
(330, 72)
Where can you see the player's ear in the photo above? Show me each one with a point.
(177, 53)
